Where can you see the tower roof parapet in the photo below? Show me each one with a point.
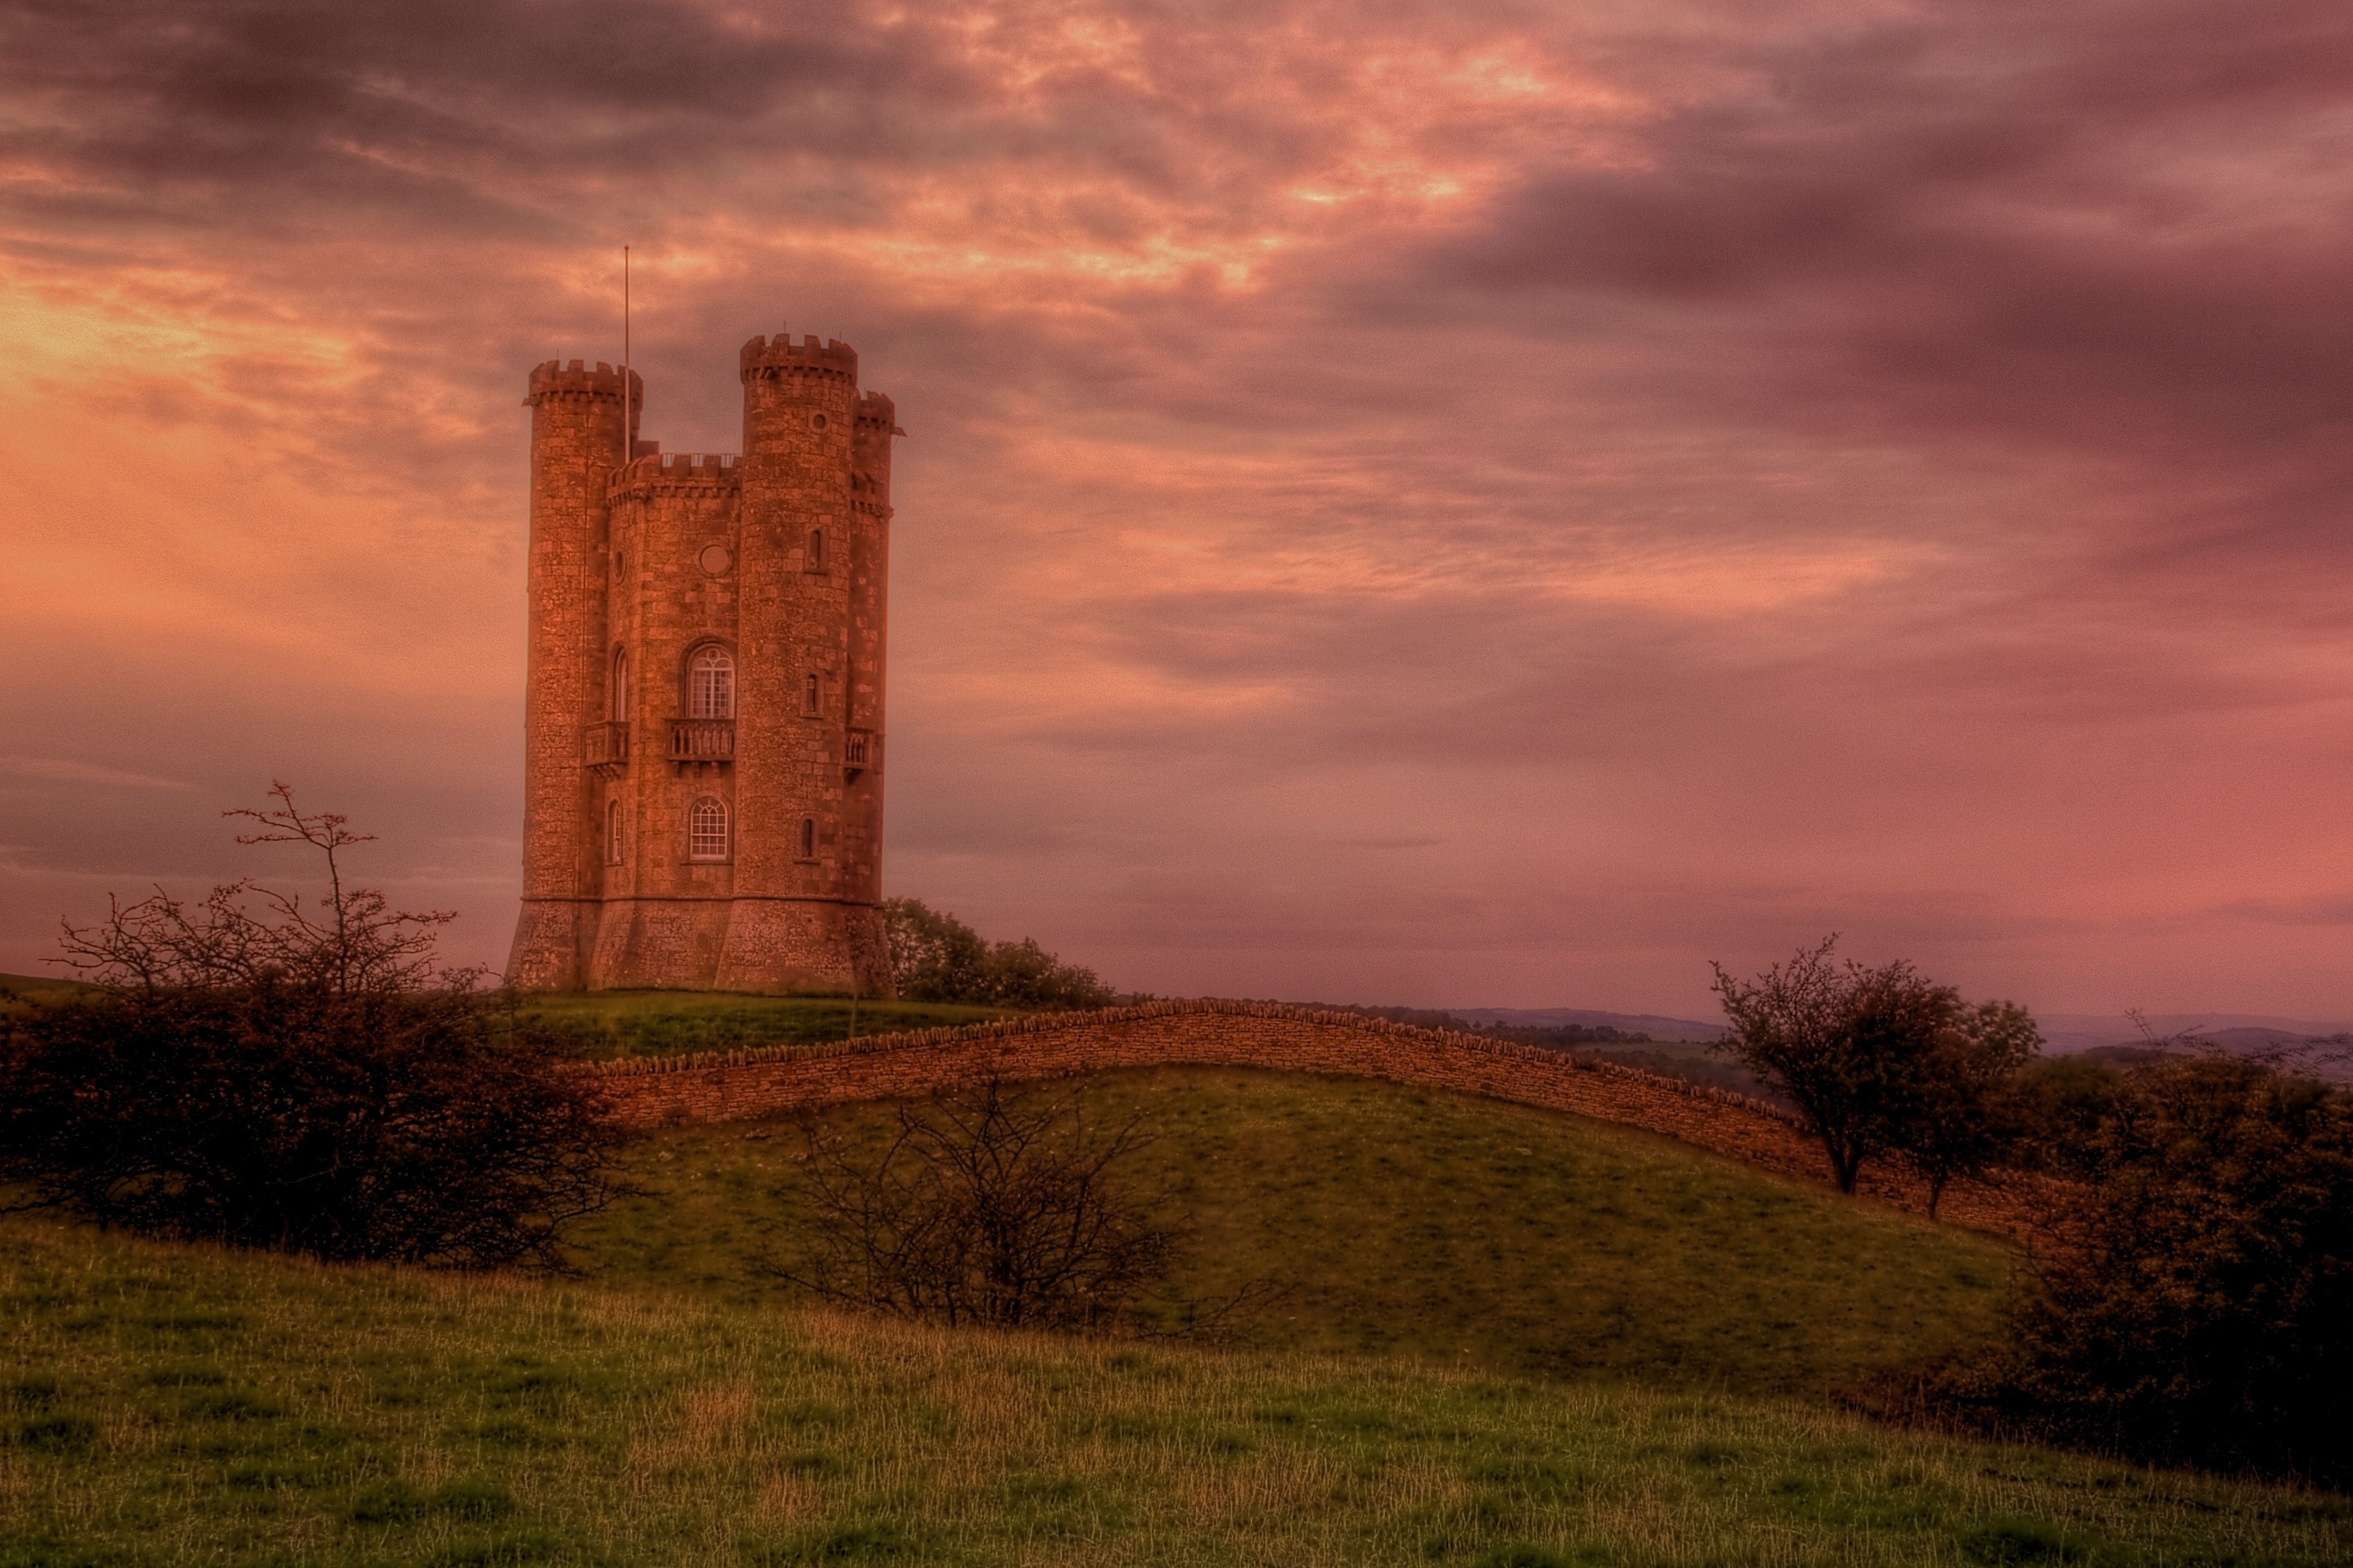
(706, 469)
(557, 379)
(875, 408)
(780, 355)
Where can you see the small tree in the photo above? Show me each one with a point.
(259, 1072)
(1796, 1026)
(1958, 1118)
(991, 1204)
(1879, 1062)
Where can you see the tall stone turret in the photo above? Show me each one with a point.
(703, 742)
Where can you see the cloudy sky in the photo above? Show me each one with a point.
(1472, 502)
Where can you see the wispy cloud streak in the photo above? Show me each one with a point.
(1492, 501)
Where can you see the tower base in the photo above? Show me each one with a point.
(779, 946)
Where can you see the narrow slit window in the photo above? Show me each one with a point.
(808, 838)
(706, 830)
(813, 694)
(620, 693)
(711, 684)
(613, 843)
(817, 550)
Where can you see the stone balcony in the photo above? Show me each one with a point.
(702, 740)
(861, 752)
(606, 746)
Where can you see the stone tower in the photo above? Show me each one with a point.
(702, 732)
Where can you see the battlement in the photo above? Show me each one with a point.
(723, 469)
(558, 379)
(780, 355)
(876, 409)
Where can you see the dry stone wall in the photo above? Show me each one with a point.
(756, 1084)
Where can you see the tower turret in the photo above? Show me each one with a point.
(576, 445)
(800, 903)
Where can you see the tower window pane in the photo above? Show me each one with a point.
(817, 550)
(813, 694)
(620, 693)
(711, 684)
(808, 838)
(706, 830)
(613, 844)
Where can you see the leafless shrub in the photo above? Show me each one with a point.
(350, 942)
(991, 1203)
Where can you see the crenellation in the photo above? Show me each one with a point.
(668, 468)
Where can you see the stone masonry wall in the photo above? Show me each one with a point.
(749, 1085)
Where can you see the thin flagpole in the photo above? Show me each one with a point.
(628, 447)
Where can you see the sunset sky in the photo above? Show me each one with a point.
(1467, 503)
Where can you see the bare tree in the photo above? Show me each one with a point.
(351, 942)
(990, 1204)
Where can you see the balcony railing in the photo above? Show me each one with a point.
(702, 740)
(861, 750)
(607, 745)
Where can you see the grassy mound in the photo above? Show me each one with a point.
(608, 1024)
(1450, 1228)
(178, 1406)
(23, 990)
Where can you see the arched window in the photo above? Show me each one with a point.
(612, 841)
(808, 838)
(706, 829)
(620, 695)
(813, 693)
(817, 550)
(711, 683)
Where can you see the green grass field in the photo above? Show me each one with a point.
(1453, 1230)
(608, 1024)
(1513, 1339)
(178, 1406)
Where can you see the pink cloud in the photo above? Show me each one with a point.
(1499, 504)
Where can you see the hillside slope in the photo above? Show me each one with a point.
(178, 1406)
(1446, 1227)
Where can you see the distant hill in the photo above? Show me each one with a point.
(1650, 1023)
(37, 985)
(2322, 1049)
(2082, 1031)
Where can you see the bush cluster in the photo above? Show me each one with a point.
(935, 957)
(420, 1126)
(261, 1072)
(2190, 1299)
(2196, 1304)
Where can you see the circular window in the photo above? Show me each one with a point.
(817, 421)
(714, 560)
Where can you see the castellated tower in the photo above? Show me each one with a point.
(703, 734)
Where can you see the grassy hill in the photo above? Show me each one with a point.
(609, 1024)
(179, 1406)
(1452, 1229)
(1513, 1339)
(33, 987)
